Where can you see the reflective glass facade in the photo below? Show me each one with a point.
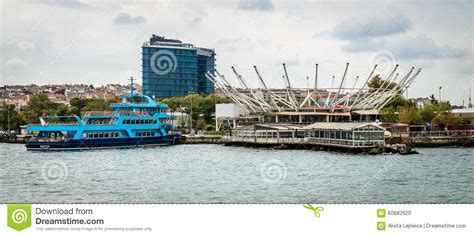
(174, 69)
(205, 63)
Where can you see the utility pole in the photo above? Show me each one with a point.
(8, 118)
(440, 87)
(191, 123)
(307, 83)
(470, 104)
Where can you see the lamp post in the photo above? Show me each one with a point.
(191, 123)
(440, 87)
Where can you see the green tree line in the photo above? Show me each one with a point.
(40, 104)
(401, 110)
(202, 108)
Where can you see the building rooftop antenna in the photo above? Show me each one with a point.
(131, 86)
(470, 95)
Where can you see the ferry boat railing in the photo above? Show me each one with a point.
(97, 113)
(59, 120)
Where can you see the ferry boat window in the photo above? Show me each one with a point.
(154, 121)
(106, 135)
(96, 135)
(134, 121)
(84, 135)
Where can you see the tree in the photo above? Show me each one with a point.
(95, 105)
(174, 103)
(79, 103)
(62, 110)
(38, 105)
(110, 101)
(8, 114)
(202, 105)
(433, 99)
(445, 118)
(389, 115)
(444, 106)
(200, 123)
(429, 112)
(399, 102)
(377, 82)
(410, 115)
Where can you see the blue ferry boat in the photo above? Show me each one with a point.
(137, 121)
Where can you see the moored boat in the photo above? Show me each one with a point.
(137, 120)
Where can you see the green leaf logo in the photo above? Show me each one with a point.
(315, 210)
(19, 216)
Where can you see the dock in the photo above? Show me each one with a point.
(201, 139)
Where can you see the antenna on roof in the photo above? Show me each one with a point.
(131, 86)
(470, 93)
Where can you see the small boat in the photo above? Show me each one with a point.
(137, 120)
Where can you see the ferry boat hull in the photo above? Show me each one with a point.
(87, 144)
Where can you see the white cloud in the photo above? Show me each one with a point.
(408, 47)
(15, 64)
(125, 18)
(371, 26)
(73, 4)
(256, 5)
(25, 46)
(244, 33)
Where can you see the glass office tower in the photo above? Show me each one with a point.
(171, 68)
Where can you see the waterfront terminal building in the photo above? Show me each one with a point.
(171, 68)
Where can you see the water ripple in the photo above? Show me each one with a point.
(219, 174)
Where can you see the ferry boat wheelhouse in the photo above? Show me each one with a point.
(137, 121)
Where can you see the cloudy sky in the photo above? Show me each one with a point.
(98, 42)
